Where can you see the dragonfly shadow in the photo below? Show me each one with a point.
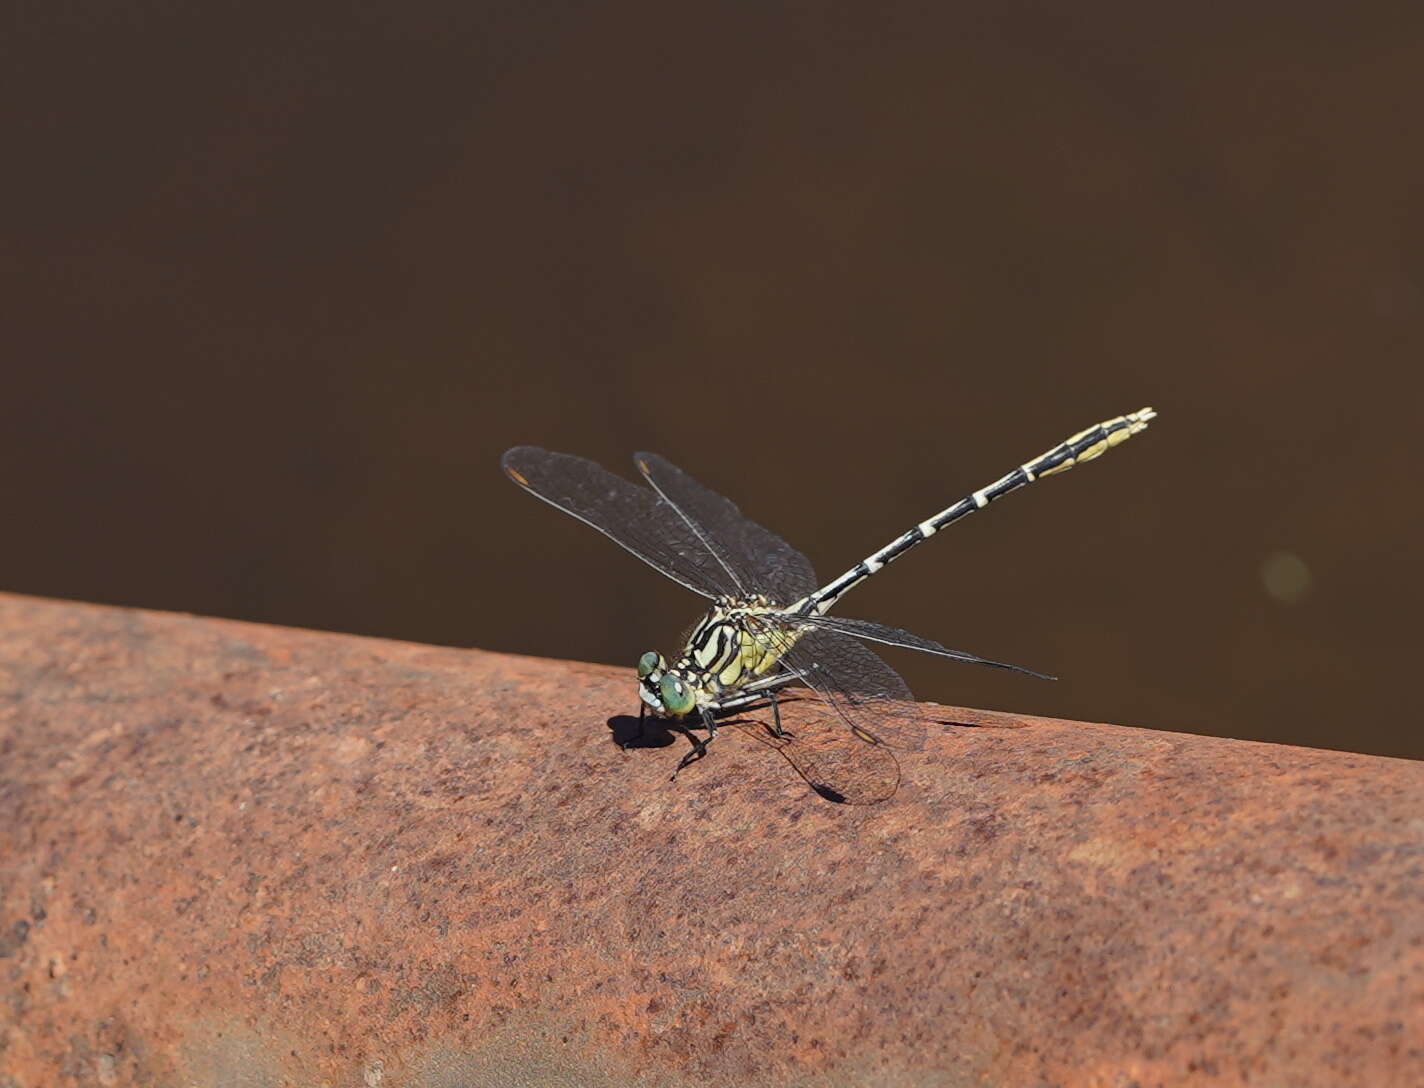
(836, 766)
(628, 733)
(998, 723)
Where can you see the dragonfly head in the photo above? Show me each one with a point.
(665, 693)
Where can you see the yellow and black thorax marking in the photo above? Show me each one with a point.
(728, 648)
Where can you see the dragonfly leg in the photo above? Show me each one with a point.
(637, 742)
(758, 690)
(775, 715)
(699, 748)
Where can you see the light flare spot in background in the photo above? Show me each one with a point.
(1286, 577)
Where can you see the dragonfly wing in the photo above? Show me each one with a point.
(635, 517)
(893, 636)
(830, 760)
(868, 696)
(758, 559)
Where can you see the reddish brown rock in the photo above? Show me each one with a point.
(233, 854)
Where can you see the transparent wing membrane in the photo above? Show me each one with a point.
(631, 515)
(894, 636)
(755, 556)
(868, 697)
(832, 762)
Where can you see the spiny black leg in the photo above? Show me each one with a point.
(709, 721)
(636, 742)
(775, 715)
(699, 749)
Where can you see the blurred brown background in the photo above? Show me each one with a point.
(282, 281)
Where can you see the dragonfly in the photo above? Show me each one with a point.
(768, 628)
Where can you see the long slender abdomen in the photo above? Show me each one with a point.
(1086, 445)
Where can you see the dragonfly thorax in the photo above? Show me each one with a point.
(724, 651)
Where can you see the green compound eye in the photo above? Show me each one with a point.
(650, 663)
(676, 695)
